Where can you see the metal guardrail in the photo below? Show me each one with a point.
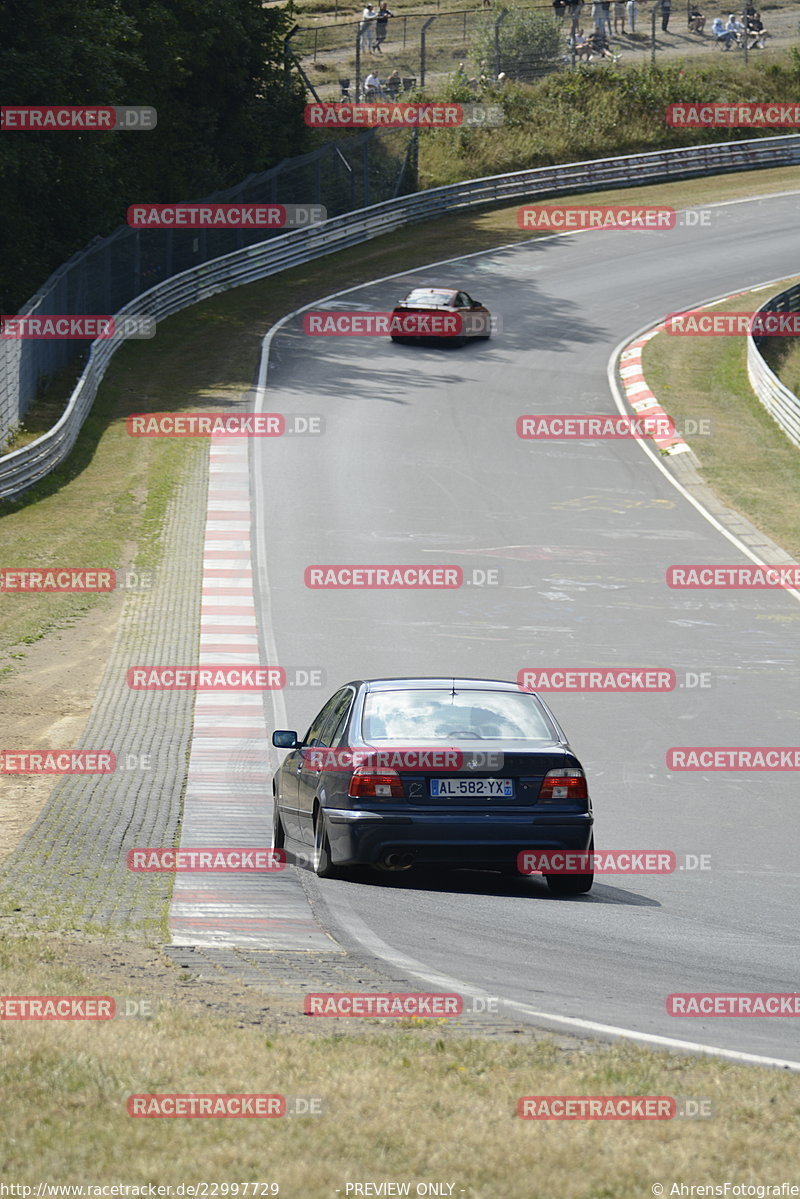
(22, 468)
(781, 403)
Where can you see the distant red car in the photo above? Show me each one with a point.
(431, 313)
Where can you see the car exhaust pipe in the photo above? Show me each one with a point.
(396, 861)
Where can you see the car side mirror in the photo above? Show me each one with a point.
(285, 739)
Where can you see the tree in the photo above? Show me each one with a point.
(215, 70)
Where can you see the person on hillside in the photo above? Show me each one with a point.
(721, 34)
(633, 12)
(574, 8)
(734, 25)
(666, 9)
(605, 17)
(382, 24)
(697, 21)
(367, 27)
(756, 33)
(599, 46)
(580, 45)
(372, 86)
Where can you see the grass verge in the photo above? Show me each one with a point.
(746, 459)
(422, 1104)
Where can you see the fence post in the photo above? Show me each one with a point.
(365, 167)
(422, 38)
(497, 25)
(357, 91)
(288, 53)
(653, 44)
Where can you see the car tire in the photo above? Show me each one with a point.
(323, 866)
(571, 884)
(278, 831)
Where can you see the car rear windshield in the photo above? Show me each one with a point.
(428, 297)
(422, 716)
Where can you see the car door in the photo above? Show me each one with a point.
(291, 770)
(322, 734)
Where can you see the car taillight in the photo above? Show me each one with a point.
(368, 783)
(566, 784)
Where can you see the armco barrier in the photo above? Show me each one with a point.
(781, 403)
(26, 466)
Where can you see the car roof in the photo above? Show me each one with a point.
(446, 291)
(436, 683)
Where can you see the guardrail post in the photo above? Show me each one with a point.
(423, 35)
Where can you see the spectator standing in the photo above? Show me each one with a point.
(367, 27)
(619, 16)
(605, 17)
(382, 24)
(666, 9)
(574, 7)
(633, 11)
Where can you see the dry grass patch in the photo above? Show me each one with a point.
(402, 1105)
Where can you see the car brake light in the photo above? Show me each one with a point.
(368, 783)
(563, 784)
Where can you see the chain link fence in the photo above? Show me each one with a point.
(364, 169)
(426, 48)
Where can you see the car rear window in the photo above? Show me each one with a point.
(437, 715)
(437, 299)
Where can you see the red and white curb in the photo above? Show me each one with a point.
(638, 394)
(228, 801)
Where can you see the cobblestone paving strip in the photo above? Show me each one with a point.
(70, 870)
(228, 799)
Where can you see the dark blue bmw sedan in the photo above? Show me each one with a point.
(394, 773)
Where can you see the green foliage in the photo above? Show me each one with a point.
(529, 42)
(593, 113)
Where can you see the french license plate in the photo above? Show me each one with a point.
(480, 788)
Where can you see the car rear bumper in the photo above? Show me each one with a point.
(365, 837)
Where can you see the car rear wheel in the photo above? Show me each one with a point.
(278, 832)
(323, 867)
(571, 884)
